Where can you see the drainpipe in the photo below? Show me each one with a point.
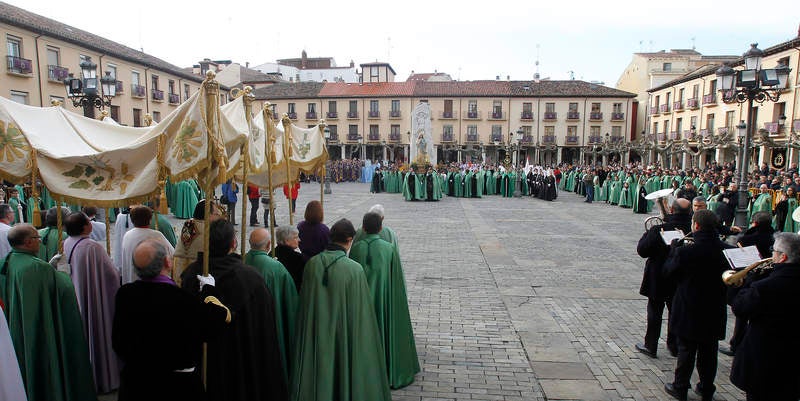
(39, 70)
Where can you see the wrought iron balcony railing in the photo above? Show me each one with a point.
(664, 108)
(57, 73)
(374, 136)
(447, 114)
(158, 95)
(394, 137)
(138, 90)
(472, 114)
(572, 140)
(19, 65)
(472, 137)
(394, 114)
(549, 139)
(447, 137)
(174, 98)
(332, 115)
(573, 115)
(617, 116)
(550, 115)
(374, 114)
(691, 103)
(311, 115)
(596, 116)
(497, 137)
(677, 106)
(352, 114)
(710, 98)
(526, 115)
(120, 87)
(292, 115)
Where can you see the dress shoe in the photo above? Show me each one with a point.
(727, 350)
(698, 389)
(673, 350)
(641, 348)
(678, 394)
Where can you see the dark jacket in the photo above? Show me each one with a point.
(699, 310)
(293, 261)
(652, 247)
(313, 238)
(761, 237)
(728, 202)
(766, 360)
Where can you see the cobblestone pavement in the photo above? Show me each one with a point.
(519, 299)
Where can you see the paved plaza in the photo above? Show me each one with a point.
(519, 299)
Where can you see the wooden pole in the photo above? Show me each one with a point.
(247, 100)
(269, 143)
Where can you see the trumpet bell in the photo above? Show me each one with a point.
(659, 194)
(652, 221)
(729, 278)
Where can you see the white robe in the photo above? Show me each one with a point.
(5, 247)
(122, 226)
(11, 386)
(133, 238)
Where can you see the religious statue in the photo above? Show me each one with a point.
(422, 148)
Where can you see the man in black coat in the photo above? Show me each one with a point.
(728, 202)
(761, 235)
(244, 362)
(658, 289)
(159, 329)
(765, 365)
(699, 310)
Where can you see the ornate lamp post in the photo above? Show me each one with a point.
(327, 133)
(748, 85)
(84, 91)
(517, 139)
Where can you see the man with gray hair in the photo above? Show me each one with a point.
(765, 365)
(168, 362)
(386, 233)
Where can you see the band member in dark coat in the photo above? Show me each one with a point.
(699, 310)
(760, 235)
(765, 365)
(657, 288)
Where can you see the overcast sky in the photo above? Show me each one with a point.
(470, 40)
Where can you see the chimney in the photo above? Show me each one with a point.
(508, 77)
(497, 78)
(246, 64)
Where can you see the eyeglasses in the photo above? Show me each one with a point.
(772, 249)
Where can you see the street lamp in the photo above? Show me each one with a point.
(327, 133)
(748, 85)
(84, 91)
(517, 139)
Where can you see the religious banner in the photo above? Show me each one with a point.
(422, 149)
(778, 158)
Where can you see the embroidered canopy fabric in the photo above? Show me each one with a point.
(89, 161)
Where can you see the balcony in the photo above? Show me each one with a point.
(311, 115)
(571, 140)
(120, 87)
(57, 73)
(138, 91)
(292, 115)
(447, 137)
(394, 114)
(617, 116)
(374, 136)
(19, 65)
(526, 115)
(677, 106)
(722, 130)
(352, 115)
(710, 99)
(772, 128)
(549, 139)
(674, 135)
(374, 114)
(596, 116)
(691, 103)
(174, 98)
(448, 115)
(472, 115)
(526, 140)
(661, 136)
(664, 108)
(497, 137)
(796, 126)
(654, 110)
(332, 115)
(550, 116)
(497, 115)
(688, 134)
(395, 137)
(573, 115)
(703, 133)
(158, 95)
(353, 137)
(595, 139)
(617, 138)
(472, 137)
(334, 137)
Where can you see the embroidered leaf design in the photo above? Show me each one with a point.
(97, 180)
(90, 171)
(80, 184)
(122, 187)
(74, 173)
(12, 143)
(186, 142)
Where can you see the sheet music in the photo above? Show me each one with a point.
(668, 236)
(739, 258)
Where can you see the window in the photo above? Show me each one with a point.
(658, 101)
(472, 133)
(154, 82)
(549, 130)
(14, 46)
(135, 78)
(185, 91)
(617, 108)
(572, 130)
(111, 69)
(730, 119)
(374, 134)
(353, 106)
(395, 106)
(447, 133)
(290, 108)
(710, 123)
(497, 108)
(171, 86)
(777, 111)
(679, 125)
(666, 126)
(334, 132)
(53, 56)
(352, 130)
(374, 73)
(497, 133)
(666, 67)
(616, 131)
(594, 131)
(472, 106)
(695, 91)
(655, 128)
(394, 132)
(680, 95)
(115, 113)
(373, 106)
(666, 101)
(527, 107)
(693, 122)
(713, 88)
(275, 110)
(550, 107)
(332, 106)
(312, 108)
(448, 106)
(137, 117)
(19, 97)
(157, 116)
(573, 107)
(595, 107)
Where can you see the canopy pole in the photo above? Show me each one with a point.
(60, 224)
(287, 154)
(321, 127)
(36, 215)
(269, 143)
(247, 100)
(108, 232)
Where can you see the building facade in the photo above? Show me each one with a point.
(560, 121)
(690, 124)
(41, 53)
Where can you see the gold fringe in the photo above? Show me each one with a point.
(215, 301)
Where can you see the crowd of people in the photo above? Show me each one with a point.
(323, 312)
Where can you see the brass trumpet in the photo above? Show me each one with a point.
(660, 198)
(736, 278)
